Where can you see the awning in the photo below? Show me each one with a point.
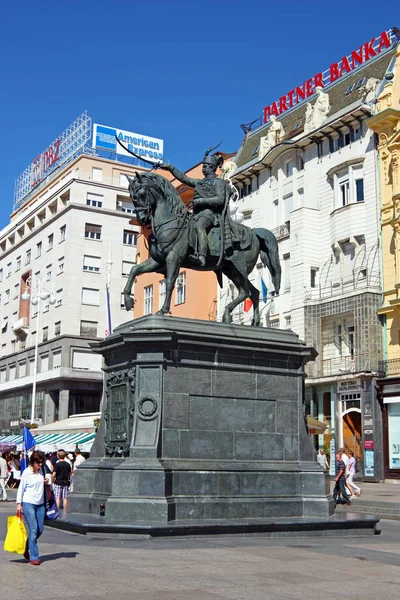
(314, 426)
(50, 442)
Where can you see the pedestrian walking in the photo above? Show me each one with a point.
(30, 503)
(340, 478)
(321, 459)
(3, 477)
(61, 480)
(351, 470)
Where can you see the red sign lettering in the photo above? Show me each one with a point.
(335, 71)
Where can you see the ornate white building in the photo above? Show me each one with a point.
(317, 189)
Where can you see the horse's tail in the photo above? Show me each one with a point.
(269, 254)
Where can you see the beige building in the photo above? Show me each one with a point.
(65, 234)
(386, 124)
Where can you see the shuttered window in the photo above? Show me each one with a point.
(88, 328)
(91, 263)
(92, 231)
(86, 361)
(90, 296)
(126, 267)
(56, 360)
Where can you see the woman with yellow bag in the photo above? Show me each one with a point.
(30, 503)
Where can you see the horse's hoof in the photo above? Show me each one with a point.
(128, 301)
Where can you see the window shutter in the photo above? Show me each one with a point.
(90, 296)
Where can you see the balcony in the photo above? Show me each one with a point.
(283, 231)
(349, 364)
(21, 325)
(389, 368)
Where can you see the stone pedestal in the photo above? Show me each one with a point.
(202, 421)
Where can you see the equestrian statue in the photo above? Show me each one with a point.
(205, 239)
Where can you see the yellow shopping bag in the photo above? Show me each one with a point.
(16, 535)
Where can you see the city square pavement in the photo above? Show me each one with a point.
(212, 568)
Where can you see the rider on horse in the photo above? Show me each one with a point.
(210, 202)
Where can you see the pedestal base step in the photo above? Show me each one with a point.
(340, 524)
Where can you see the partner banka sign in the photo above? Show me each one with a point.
(347, 64)
(149, 148)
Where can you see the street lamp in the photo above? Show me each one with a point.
(37, 290)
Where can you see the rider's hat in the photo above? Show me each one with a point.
(216, 160)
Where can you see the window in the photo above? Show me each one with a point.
(88, 328)
(90, 296)
(288, 168)
(60, 265)
(94, 200)
(57, 329)
(181, 288)
(48, 273)
(57, 359)
(123, 181)
(16, 291)
(274, 324)
(359, 190)
(97, 174)
(59, 297)
(38, 249)
(92, 232)
(300, 164)
(122, 300)
(45, 334)
(287, 207)
(126, 267)
(1, 275)
(86, 361)
(50, 239)
(148, 300)
(44, 363)
(28, 257)
(130, 238)
(163, 290)
(350, 339)
(22, 369)
(11, 372)
(348, 260)
(63, 230)
(6, 296)
(344, 192)
(125, 205)
(288, 320)
(3, 372)
(360, 83)
(91, 263)
(349, 89)
(18, 263)
(313, 277)
(286, 272)
(8, 272)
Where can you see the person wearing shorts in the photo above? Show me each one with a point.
(61, 479)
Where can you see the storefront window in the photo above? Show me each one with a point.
(394, 434)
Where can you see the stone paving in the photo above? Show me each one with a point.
(218, 568)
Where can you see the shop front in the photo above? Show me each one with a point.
(389, 398)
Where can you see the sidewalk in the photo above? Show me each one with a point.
(381, 499)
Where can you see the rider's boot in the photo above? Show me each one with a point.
(202, 248)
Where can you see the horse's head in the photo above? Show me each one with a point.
(139, 193)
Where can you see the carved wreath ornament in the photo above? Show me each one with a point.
(118, 411)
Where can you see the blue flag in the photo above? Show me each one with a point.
(28, 442)
(264, 291)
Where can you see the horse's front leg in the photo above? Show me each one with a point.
(148, 266)
(173, 264)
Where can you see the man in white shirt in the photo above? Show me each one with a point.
(79, 459)
(3, 477)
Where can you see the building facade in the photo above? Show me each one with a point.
(310, 175)
(74, 233)
(386, 123)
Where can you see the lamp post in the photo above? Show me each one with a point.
(36, 290)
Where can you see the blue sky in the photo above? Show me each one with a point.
(188, 72)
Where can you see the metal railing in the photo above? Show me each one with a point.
(389, 368)
(349, 364)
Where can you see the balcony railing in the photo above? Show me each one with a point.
(349, 364)
(389, 368)
(282, 231)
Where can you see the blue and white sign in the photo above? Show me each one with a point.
(149, 148)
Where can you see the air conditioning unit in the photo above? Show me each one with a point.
(21, 324)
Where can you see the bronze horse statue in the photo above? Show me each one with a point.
(172, 246)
